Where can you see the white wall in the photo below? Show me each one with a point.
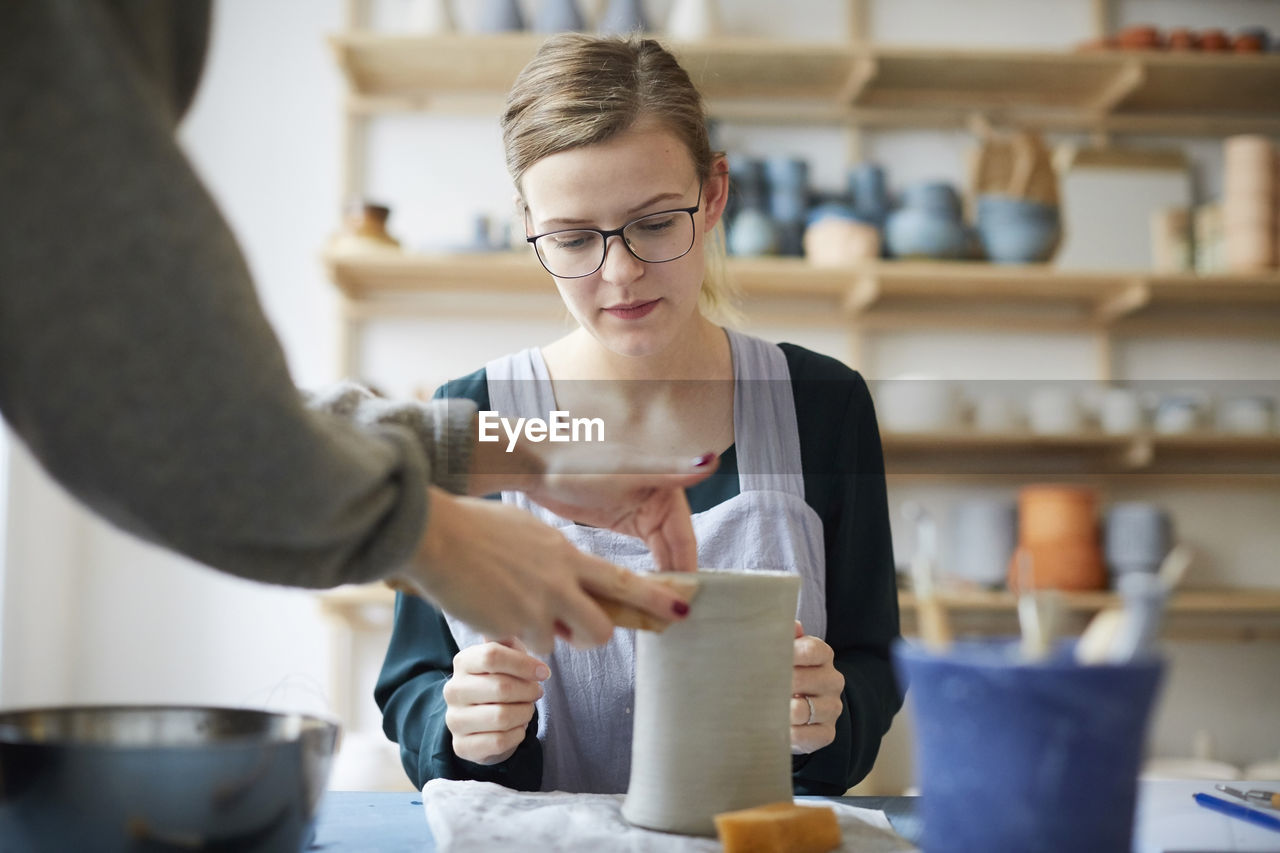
(90, 615)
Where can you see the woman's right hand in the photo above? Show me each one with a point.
(490, 699)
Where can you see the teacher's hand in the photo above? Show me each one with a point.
(816, 688)
(490, 699)
(505, 573)
(617, 488)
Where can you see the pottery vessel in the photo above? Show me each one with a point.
(833, 241)
(990, 730)
(870, 193)
(430, 17)
(622, 17)
(693, 20)
(1054, 410)
(1246, 415)
(1058, 532)
(751, 234)
(558, 16)
(500, 16)
(983, 536)
(712, 705)
(1138, 535)
(1018, 231)
(915, 403)
(927, 225)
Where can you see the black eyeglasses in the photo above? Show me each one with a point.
(654, 239)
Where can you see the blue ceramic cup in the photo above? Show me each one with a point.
(1028, 757)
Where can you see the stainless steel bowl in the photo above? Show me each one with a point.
(148, 778)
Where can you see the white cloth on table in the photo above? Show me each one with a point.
(483, 817)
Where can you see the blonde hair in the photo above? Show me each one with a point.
(581, 90)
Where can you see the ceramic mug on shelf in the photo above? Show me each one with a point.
(997, 413)
(1178, 413)
(1137, 536)
(983, 534)
(1246, 415)
(1120, 411)
(918, 404)
(1054, 410)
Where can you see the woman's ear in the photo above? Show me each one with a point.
(521, 213)
(715, 191)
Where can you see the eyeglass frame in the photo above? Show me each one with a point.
(618, 232)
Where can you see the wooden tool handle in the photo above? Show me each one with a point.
(627, 616)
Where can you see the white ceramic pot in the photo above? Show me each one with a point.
(1120, 412)
(693, 20)
(917, 404)
(1246, 415)
(713, 704)
(983, 536)
(997, 413)
(1178, 414)
(1054, 410)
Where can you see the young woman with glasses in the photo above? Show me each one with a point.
(620, 192)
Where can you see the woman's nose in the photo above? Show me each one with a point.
(620, 266)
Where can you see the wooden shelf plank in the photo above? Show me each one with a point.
(1206, 456)
(1228, 614)
(916, 294)
(767, 79)
(1231, 615)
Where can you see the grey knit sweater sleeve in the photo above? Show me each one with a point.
(135, 360)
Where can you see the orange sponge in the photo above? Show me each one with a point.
(779, 828)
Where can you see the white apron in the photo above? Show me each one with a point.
(584, 718)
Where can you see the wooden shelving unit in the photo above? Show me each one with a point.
(1204, 456)
(1203, 614)
(859, 84)
(768, 80)
(887, 294)
(1231, 615)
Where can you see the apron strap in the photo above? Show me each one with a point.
(766, 436)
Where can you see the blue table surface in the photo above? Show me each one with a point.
(395, 822)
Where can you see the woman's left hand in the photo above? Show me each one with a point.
(816, 688)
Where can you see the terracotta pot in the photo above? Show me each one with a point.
(1140, 38)
(1214, 40)
(1248, 44)
(1054, 514)
(1183, 39)
(1072, 566)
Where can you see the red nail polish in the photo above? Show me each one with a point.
(704, 459)
(562, 631)
(680, 608)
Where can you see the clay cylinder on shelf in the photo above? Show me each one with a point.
(1058, 537)
(1248, 203)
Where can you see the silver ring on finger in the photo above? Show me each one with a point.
(810, 721)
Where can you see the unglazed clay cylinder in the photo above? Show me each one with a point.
(712, 705)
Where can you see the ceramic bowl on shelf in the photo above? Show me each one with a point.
(917, 404)
(1054, 410)
(1017, 230)
(839, 241)
(1250, 415)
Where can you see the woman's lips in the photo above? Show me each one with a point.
(633, 311)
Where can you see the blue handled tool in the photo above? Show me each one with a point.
(1236, 810)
